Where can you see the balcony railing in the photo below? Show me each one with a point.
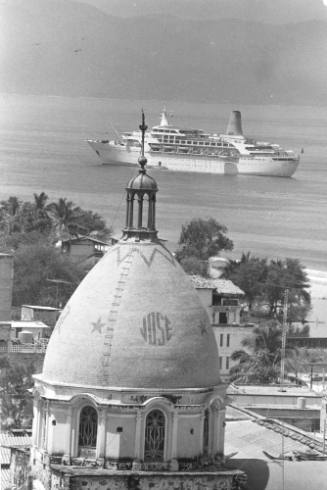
(24, 348)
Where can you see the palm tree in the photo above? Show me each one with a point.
(287, 274)
(64, 215)
(260, 361)
(40, 201)
(10, 215)
(41, 220)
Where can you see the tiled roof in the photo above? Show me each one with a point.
(223, 286)
(86, 238)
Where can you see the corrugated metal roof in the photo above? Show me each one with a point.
(223, 286)
(8, 440)
(28, 324)
(5, 478)
(4, 456)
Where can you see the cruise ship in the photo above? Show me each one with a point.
(259, 157)
(194, 150)
(168, 146)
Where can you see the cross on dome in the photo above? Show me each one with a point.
(142, 160)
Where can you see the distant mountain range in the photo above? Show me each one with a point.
(269, 11)
(63, 47)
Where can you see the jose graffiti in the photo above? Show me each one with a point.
(156, 328)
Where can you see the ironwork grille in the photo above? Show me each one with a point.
(154, 436)
(88, 426)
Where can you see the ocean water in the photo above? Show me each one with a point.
(43, 148)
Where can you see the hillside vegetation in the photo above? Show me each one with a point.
(71, 48)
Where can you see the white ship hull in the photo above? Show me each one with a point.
(115, 155)
(268, 166)
(264, 166)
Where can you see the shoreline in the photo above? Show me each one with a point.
(318, 283)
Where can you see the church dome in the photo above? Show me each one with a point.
(135, 321)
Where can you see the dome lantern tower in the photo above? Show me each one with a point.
(141, 189)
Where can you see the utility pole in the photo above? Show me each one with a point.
(284, 333)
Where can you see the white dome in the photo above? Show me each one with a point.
(135, 321)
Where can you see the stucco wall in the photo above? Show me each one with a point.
(120, 444)
(6, 283)
(60, 434)
(189, 437)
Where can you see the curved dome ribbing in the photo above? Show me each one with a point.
(135, 321)
(144, 182)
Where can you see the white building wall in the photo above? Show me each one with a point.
(120, 436)
(189, 436)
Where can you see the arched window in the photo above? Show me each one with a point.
(154, 443)
(88, 428)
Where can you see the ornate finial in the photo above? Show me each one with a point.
(142, 160)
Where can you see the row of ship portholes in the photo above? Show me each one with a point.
(154, 441)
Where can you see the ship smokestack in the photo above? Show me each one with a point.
(234, 125)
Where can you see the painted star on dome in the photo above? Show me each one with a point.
(203, 328)
(98, 325)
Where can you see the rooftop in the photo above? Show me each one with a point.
(28, 324)
(37, 307)
(86, 238)
(274, 455)
(223, 286)
(288, 390)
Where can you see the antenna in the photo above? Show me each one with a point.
(284, 332)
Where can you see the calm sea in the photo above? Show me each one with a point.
(43, 148)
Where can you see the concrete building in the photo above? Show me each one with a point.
(221, 298)
(295, 405)
(45, 314)
(273, 454)
(5, 333)
(84, 247)
(34, 331)
(130, 394)
(6, 285)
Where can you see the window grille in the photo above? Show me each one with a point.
(88, 428)
(154, 436)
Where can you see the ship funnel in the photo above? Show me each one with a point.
(234, 125)
(164, 119)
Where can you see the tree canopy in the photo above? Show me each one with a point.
(264, 283)
(199, 240)
(16, 402)
(34, 265)
(52, 220)
(31, 229)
